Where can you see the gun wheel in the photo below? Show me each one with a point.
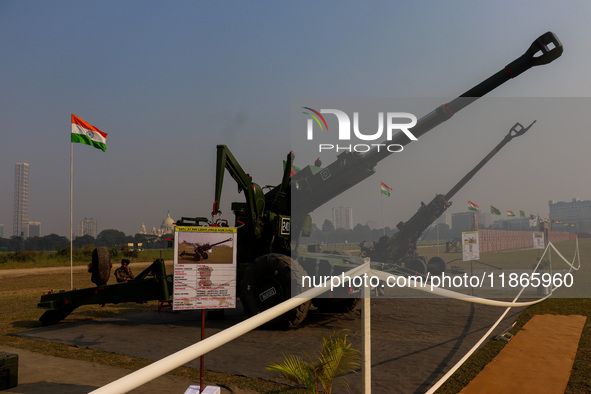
(100, 266)
(436, 266)
(416, 266)
(268, 282)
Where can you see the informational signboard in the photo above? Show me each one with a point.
(538, 240)
(204, 268)
(470, 248)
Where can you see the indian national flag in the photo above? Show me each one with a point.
(385, 189)
(510, 214)
(85, 133)
(472, 206)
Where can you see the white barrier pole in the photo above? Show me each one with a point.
(366, 333)
(167, 364)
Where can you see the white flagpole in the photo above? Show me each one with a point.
(382, 204)
(71, 215)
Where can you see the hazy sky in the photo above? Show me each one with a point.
(170, 80)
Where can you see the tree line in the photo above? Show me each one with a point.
(109, 238)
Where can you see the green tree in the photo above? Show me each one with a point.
(327, 225)
(112, 238)
(84, 240)
(336, 358)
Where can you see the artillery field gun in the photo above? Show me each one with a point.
(268, 221)
(400, 250)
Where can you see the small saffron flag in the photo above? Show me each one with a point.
(385, 189)
(510, 214)
(85, 133)
(494, 210)
(472, 206)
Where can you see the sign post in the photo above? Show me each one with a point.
(204, 272)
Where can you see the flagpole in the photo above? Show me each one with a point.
(71, 215)
(382, 203)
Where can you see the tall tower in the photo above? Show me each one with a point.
(87, 227)
(20, 222)
(342, 217)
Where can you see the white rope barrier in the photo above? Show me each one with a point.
(167, 364)
(449, 373)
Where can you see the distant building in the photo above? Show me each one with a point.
(167, 226)
(464, 221)
(576, 211)
(34, 229)
(87, 227)
(515, 224)
(20, 223)
(445, 218)
(342, 217)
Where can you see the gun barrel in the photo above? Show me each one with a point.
(543, 50)
(515, 131)
(313, 187)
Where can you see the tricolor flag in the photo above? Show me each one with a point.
(510, 214)
(521, 214)
(472, 206)
(494, 210)
(85, 133)
(385, 189)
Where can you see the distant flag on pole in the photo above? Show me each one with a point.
(521, 214)
(85, 133)
(510, 214)
(472, 206)
(385, 189)
(494, 210)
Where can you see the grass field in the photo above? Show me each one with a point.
(20, 293)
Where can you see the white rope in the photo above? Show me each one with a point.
(445, 377)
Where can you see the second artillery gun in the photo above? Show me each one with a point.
(400, 250)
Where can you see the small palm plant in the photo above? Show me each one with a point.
(336, 358)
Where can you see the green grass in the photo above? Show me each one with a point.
(10, 260)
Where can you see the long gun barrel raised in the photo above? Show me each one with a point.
(313, 186)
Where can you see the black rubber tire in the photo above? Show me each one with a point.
(268, 282)
(101, 266)
(436, 266)
(336, 305)
(417, 266)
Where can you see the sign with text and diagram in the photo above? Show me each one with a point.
(204, 268)
(470, 249)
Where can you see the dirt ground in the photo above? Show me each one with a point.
(414, 340)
